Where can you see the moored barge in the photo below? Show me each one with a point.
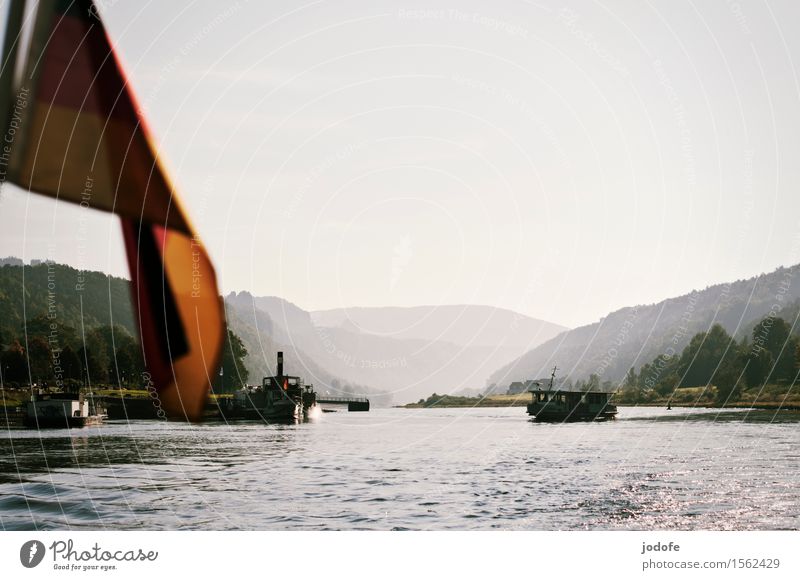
(61, 411)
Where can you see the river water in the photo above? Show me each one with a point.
(428, 469)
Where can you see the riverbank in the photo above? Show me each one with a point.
(13, 398)
(449, 401)
(114, 403)
(768, 398)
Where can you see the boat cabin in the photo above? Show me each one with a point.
(61, 406)
(279, 397)
(571, 398)
(60, 410)
(560, 405)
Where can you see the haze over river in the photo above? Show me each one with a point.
(430, 469)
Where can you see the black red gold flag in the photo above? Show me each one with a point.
(78, 135)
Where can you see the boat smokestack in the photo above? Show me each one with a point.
(280, 363)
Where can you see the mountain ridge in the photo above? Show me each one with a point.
(634, 335)
(463, 324)
(443, 357)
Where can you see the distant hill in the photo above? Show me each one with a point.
(86, 300)
(409, 352)
(463, 325)
(75, 297)
(263, 339)
(633, 336)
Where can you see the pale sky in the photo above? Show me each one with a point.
(562, 163)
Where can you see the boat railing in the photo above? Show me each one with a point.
(327, 399)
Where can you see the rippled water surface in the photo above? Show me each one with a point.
(411, 469)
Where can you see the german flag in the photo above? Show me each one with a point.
(77, 134)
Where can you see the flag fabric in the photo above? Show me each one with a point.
(79, 136)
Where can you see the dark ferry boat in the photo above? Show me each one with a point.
(279, 399)
(562, 406)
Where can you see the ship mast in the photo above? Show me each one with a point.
(552, 377)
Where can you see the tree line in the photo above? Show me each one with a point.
(769, 355)
(49, 354)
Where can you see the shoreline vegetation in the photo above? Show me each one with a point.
(713, 370)
(55, 351)
(770, 397)
(10, 398)
(686, 400)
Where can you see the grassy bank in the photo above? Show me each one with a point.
(767, 397)
(9, 398)
(491, 401)
(16, 397)
(140, 394)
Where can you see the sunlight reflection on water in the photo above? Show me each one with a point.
(411, 469)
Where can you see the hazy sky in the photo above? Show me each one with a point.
(561, 162)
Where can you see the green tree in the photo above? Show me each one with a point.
(631, 387)
(644, 373)
(797, 358)
(124, 355)
(39, 360)
(94, 358)
(57, 334)
(759, 363)
(37, 326)
(667, 384)
(15, 364)
(772, 355)
(70, 363)
(234, 373)
(705, 354)
(785, 362)
(128, 364)
(660, 376)
(631, 380)
(772, 334)
(730, 380)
